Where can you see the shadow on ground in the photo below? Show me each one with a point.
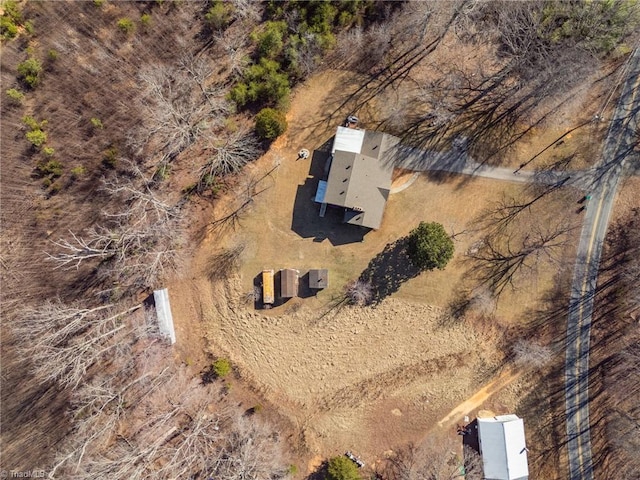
(306, 220)
(388, 270)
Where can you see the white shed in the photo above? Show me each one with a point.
(163, 311)
(503, 448)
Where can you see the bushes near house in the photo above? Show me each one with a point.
(270, 123)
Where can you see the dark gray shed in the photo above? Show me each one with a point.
(319, 278)
(289, 283)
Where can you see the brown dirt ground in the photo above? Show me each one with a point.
(347, 378)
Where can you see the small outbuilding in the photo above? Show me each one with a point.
(163, 311)
(289, 283)
(503, 448)
(267, 288)
(318, 278)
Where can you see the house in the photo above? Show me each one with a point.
(359, 177)
(318, 278)
(503, 448)
(163, 312)
(289, 283)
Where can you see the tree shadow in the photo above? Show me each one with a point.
(304, 290)
(320, 473)
(388, 270)
(306, 220)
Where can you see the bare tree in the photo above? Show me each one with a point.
(242, 197)
(181, 106)
(251, 451)
(222, 264)
(164, 424)
(434, 459)
(359, 292)
(227, 154)
(529, 353)
(136, 191)
(503, 261)
(473, 468)
(66, 341)
(137, 239)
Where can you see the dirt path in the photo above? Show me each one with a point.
(479, 397)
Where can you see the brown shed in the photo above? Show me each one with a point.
(289, 283)
(318, 278)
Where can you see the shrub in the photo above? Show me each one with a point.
(29, 28)
(219, 15)
(126, 25)
(77, 172)
(16, 96)
(51, 169)
(98, 3)
(30, 71)
(270, 123)
(52, 55)
(270, 40)
(209, 183)
(430, 246)
(96, 123)
(342, 468)
(145, 19)
(36, 137)
(263, 81)
(55, 188)
(8, 29)
(110, 158)
(32, 123)
(48, 151)
(10, 20)
(162, 172)
(221, 367)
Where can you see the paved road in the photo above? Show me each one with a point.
(606, 177)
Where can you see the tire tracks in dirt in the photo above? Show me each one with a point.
(374, 387)
(478, 398)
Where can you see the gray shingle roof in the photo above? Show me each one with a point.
(361, 181)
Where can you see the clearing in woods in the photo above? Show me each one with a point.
(348, 378)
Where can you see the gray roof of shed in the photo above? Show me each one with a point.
(318, 278)
(361, 181)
